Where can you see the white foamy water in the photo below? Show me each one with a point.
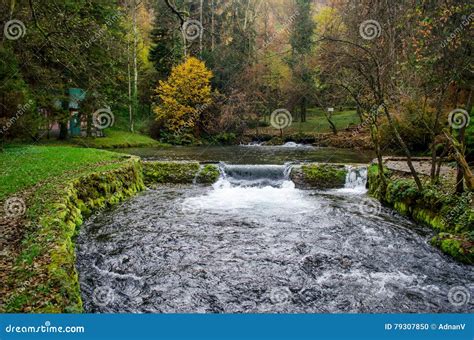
(265, 188)
(356, 180)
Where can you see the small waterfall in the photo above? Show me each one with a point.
(255, 175)
(356, 177)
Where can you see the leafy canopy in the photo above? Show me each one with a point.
(184, 95)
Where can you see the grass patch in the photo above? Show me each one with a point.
(319, 176)
(24, 166)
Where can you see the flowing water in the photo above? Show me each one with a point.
(253, 154)
(253, 243)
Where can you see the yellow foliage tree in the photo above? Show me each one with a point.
(184, 95)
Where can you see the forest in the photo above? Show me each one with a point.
(102, 99)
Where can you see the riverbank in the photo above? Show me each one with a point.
(449, 214)
(46, 193)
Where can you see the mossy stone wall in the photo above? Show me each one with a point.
(319, 176)
(451, 216)
(156, 172)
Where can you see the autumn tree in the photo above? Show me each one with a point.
(183, 97)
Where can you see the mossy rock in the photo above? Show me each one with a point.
(170, 172)
(319, 176)
(208, 174)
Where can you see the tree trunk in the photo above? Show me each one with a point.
(212, 25)
(303, 110)
(63, 131)
(460, 170)
(359, 114)
(461, 139)
(129, 74)
(201, 33)
(461, 160)
(434, 133)
(404, 148)
(135, 65)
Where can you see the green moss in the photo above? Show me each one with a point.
(208, 174)
(457, 246)
(321, 176)
(170, 172)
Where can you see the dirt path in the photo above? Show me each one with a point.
(421, 164)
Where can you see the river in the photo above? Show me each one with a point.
(253, 154)
(253, 243)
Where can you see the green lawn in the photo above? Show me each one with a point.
(316, 122)
(116, 139)
(24, 166)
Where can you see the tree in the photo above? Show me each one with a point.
(301, 41)
(184, 96)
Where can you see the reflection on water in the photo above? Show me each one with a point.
(250, 154)
(246, 246)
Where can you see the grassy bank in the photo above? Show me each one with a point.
(58, 187)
